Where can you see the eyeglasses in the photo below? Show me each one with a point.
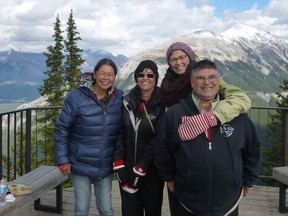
(202, 79)
(102, 74)
(174, 60)
(141, 75)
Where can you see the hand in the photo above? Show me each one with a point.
(170, 185)
(135, 180)
(192, 126)
(65, 169)
(245, 190)
(120, 172)
(121, 176)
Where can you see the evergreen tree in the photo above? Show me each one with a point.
(53, 85)
(276, 135)
(54, 90)
(73, 58)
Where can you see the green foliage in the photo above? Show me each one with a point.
(73, 58)
(272, 156)
(19, 157)
(52, 87)
(7, 165)
(44, 136)
(247, 76)
(61, 78)
(283, 102)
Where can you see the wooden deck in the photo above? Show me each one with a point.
(262, 201)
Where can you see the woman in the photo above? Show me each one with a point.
(176, 86)
(85, 135)
(140, 185)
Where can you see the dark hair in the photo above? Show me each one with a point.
(105, 61)
(206, 63)
(146, 64)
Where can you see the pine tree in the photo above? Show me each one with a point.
(73, 58)
(54, 90)
(283, 102)
(276, 135)
(53, 85)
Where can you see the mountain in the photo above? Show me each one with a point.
(21, 73)
(247, 57)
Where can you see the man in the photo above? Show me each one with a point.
(211, 172)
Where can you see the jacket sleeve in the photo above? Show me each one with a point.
(165, 149)
(148, 156)
(119, 146)
(62, 130)
(251, 154)
(236, 102)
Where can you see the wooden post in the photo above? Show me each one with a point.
(286, 138)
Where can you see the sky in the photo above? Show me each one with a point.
(130, 26)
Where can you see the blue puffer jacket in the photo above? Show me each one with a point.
(85, 134)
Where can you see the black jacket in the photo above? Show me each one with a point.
(208, 175)
(135, 143)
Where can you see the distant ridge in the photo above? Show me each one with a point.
(252, 59)
(21, 73)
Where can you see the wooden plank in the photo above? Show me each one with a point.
(42, 179)
(281, 174)
(261, 201)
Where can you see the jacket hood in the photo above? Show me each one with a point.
(86, 80)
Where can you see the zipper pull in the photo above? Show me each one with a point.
(210, 146)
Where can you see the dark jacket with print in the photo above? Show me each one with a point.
(135, 144)
(208, 175)
(85, 134)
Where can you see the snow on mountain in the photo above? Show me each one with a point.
(247, 57)
(243, 31)
(250, 58)
(39, 102)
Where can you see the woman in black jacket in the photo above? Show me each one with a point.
(140, 185)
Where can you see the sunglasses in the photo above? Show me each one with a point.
(141, 75)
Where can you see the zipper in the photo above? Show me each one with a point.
(136, 126)
(209, 138)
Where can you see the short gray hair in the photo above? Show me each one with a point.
(206, 63)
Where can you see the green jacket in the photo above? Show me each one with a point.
(236, 102)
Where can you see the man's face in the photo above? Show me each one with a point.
(205, 84)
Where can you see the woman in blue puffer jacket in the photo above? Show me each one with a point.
(85, 135)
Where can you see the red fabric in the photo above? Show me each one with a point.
(138, 170)
(63, 166)
(141, 107)
(118, 164)
(192, 126)
(174, 87)
(209, 134)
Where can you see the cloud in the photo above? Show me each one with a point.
(126, 26)
(278, 9)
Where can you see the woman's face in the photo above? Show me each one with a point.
(105, 77)
(146, 80)
(179, 61)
